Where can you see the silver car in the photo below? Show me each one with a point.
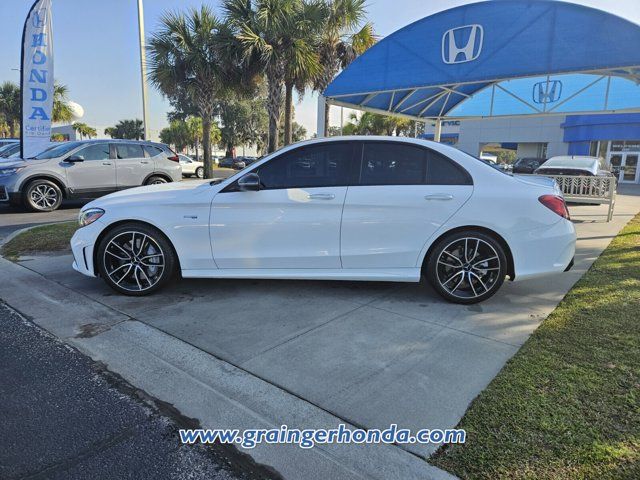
(86, 169)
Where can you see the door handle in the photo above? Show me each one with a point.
(107, 163)
(145, 162)
(321, 196)
(443, 197)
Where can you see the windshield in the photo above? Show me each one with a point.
(57, 151)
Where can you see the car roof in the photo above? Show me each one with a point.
(113, 140)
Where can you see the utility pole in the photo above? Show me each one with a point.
(143, 70)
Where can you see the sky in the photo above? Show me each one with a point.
(97, 57)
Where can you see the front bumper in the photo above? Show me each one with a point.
(83, 244)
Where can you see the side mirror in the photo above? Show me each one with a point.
(249, 183)
(75, 159)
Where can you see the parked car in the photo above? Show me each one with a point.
(235, 163)
(7, 141)
(9, 149)
(343, 208)
(85, 169)
(575, 165)
(527, 165)
(191, 167)
(248, 160)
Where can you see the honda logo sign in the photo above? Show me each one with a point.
(547, 92)
(462, 44)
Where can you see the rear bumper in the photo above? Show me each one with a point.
(545, 251)
(571, 263)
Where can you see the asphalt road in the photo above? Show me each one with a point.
(63, 416)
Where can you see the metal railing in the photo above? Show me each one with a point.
(583, 189)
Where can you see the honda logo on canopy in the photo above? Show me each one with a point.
(547, 92)
(462, 44)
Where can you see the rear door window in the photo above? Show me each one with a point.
(129, 150)
(392, 164)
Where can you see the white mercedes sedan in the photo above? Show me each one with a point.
(345, 208)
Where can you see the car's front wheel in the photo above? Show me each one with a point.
(467, 267)
(200, 172)
(42, 196)
(135, 259)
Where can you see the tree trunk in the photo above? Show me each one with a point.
(288, 114)
(206, 144)
(274, 103)
(197, 152)
(326, 119)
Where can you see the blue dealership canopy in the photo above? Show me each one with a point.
(428, 68)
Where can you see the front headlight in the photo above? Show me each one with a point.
(5, 172)
(87, 217)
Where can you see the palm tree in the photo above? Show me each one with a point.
(194, 129)
(84, 130)
(344, 37)
(127, 129)
(10, 105)
(61, 109)
(185, 61)
(374, 124)
(278, 35)
(303, 62)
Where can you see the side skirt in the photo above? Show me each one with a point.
(360, 274)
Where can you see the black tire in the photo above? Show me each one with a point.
(143, 253)
(156, 180)
(42, 195)
(200, 172)
(467, 267)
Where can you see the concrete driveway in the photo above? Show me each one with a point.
(370, 354)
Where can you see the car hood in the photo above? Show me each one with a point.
(11, 163)
(155, 194)
(18, 162)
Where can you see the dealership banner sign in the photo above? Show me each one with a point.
(36, 82)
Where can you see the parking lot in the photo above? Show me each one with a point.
(370, 354)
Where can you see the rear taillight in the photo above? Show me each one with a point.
(555, 204)
(174, 157)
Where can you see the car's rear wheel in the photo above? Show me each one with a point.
(156, 180)
(135, 259)
(467, 267)
(42, 195)
(200, 172)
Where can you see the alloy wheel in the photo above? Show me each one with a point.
(43, 196)
(468, 268)
(134, 261)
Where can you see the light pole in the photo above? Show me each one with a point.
(143, 69)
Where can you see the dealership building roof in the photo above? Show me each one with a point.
(504, 57)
